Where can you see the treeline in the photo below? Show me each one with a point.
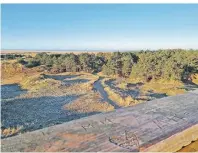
(146, 65)
(68, 62)
(11, 56)
(166, 64)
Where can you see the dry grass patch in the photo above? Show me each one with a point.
(194, 78)
(13, 72)
(100, 74)
(11, 131)
(88, 85)
(38, 82)
(121, 101)
(162, 86)
(38, 85)
(90, 102)
(168, 87)
(122, 85)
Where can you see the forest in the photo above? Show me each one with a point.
(146, 65)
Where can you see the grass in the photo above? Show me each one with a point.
(100, 74)
(10, 72)
(90, 102)
(13, 72)
(38, 85)
(11, 131)
(38, 82)
(88, 85)
(121, 101)
(195, 78)
(159, 87)
(170, 88)
(122, 85)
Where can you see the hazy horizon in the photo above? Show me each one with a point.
(99, 49)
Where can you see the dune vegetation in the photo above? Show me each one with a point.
(11, 131)
(163, 71)
(71, 86)
(91, 102)
(114, 96)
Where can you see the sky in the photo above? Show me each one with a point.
(99, 26)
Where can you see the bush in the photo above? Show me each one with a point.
(32, 63)
(21, 61)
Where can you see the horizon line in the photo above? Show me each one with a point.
(95, 50)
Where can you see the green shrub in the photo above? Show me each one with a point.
(32, 63)
(21, 61)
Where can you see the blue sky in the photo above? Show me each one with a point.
(99, 26)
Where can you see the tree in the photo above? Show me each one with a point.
(71, 63)
(147, 65)
(21, 61)
(85, 61)
(117, 63)
(109, 68)
(128, 59)
(32, 63)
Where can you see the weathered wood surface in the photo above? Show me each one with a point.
(164, 124)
